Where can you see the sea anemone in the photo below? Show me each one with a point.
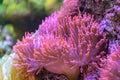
(84, 37)
(69, 8)
(55, 54)
(25, 60)
(70, 44)
(61, 45)
(74, 43)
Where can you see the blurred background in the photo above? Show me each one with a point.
(20, 16)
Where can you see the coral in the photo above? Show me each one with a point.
(111, 20)
(49, 25)
(95, 7)
(56, 52)
(83, 35)
(69, 8)
(65, 43)
(71, 43)
(25, 61)
(7, 70)
(6, 62)
(111, 70)
(106, 12)
(92, 71)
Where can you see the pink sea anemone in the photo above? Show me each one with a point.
(62, 45)
(83, 35)
(24, 62)
(69, 8)
(55, 54)
(72, 43)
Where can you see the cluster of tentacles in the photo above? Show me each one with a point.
(68, 43)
